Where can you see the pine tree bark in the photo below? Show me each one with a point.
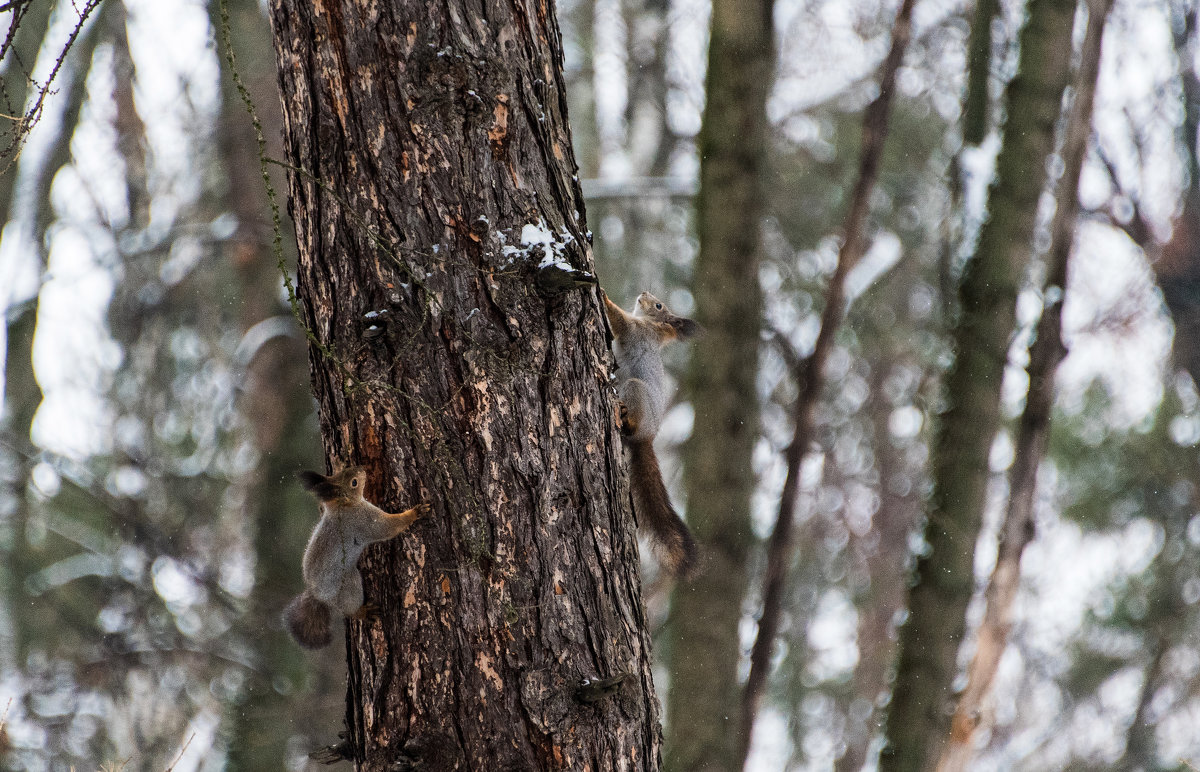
(432, 174)
(919, 716)
(702, 631)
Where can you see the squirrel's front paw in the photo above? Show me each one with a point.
(368, 612)
(627, 427)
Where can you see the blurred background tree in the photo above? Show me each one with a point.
(156, 399)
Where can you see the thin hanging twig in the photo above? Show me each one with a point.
(809, 372)
(1044, 355)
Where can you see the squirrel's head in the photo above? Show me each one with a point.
(350, 481)
(346, 484)
(650, 307)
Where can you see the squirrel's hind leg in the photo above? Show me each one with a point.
(349, 600)
(637, 413)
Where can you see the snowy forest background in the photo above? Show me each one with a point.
(156, 398)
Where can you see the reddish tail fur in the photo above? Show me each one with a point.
(307, 619)
(654, 510)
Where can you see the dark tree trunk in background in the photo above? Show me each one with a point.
(287, 695)
(885, 548)
(1178, 265)
(26, 41)
(976, 115)
(702, 632)
(22, 394)
(809, 373)
(1140, 746)
(919, 716)
(649, 143)
(648, 137)
(1033, 428)
(977, 106)
(427, 140)
(581, 86)
(28, 620)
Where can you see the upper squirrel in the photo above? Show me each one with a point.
(642, 385)
(348, 524)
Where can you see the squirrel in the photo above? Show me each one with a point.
(348, 524)
(642, 386)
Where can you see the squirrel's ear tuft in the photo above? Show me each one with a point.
(311, 480)
(686, 328)
(318, 485)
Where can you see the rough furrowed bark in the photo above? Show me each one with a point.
(702, 632)
(919, 717)
(1032, 430)
(432, 173)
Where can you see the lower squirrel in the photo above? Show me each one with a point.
(348, 524)
(642, 386)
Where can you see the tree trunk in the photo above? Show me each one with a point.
(1178, 266)
(20, 55)
(1034, 426)
(810, 376)
(885, 548)
(287, 696)
(432, 174)
(1139, 737)
(25, 207)
(702, 632)
(977, 106)
(919, 717)
(581, 86)
(22, 396)
(649, 140)
(976, 112)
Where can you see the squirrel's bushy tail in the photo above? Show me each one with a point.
(655, 512)
(307, 619)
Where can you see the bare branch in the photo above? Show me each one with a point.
(22, 127)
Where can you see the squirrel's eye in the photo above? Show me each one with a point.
(354, 483)
(658, 306)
